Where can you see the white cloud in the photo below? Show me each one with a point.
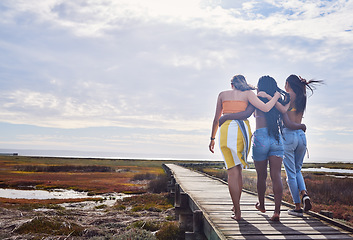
(158, 65)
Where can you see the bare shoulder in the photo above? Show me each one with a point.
(225, 93)
(249, 93)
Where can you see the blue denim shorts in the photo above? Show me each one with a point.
(265, 146)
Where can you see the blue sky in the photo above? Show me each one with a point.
(142, 77)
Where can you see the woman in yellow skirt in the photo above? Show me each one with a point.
(235, 135)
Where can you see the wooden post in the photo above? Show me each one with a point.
(197, 227)
(171, 185)
(177, 195)
(197, 221)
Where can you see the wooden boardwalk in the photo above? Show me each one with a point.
(212, 198)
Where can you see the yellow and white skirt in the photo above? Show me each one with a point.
(234, 142)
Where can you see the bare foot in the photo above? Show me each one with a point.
(275, 217)
(236, 217)
(261, 209)
(236, 213)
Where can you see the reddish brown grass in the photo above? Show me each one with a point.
(117, 179)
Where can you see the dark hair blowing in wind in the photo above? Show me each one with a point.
(299, 86)
(273, 117)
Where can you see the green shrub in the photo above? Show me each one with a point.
(120, 207)
(147, 225)
(136, 234)
(170, 231)
(158, 185)
(144, 176)
(137, 208)
(101, 206)
(52, 226)
(148, 201)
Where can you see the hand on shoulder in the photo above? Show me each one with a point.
(277, 95)
(264, 95)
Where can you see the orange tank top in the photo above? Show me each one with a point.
(234, 106)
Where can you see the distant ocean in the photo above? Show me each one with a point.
(115, 155)
(105, 155)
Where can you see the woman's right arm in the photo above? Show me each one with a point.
(292, 125)
(240, 115)
(264, 107)
(215, 122)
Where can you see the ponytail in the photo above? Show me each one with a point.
(299, 86)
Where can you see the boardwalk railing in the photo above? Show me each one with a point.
(203, 207)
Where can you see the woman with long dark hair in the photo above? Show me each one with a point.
(235, 135)
(268, 145)
(295, 142)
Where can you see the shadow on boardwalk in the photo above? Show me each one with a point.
(211, 197)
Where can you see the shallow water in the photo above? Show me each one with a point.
(322, 169)
(328, 170)
(54, 194)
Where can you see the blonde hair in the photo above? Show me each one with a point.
(239, 82)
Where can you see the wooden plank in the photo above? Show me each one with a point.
(212, 198)
(260, 237)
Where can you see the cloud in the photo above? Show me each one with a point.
(158, 66)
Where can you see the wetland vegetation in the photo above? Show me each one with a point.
(148, 212)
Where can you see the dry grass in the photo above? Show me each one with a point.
(92, 175)
(95, 176)
(29, 204)
(50, 226)
(148, 201)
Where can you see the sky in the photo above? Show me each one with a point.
(141, 78)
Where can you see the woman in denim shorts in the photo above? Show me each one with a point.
(268, 146)
(295, 143)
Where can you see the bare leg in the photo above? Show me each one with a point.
(275, 172)
(261, 170)
(235, 185)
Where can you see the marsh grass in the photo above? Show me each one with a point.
(62, 168)
(170, 231)
(144, 176)
(50, 226)
(148, 225)
(334, 165)
(134, 234)
(149, 201)
(30, 204)
(159, 184)
(96, 176)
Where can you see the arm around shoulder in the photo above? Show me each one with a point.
(265, 107)
(237, 116)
